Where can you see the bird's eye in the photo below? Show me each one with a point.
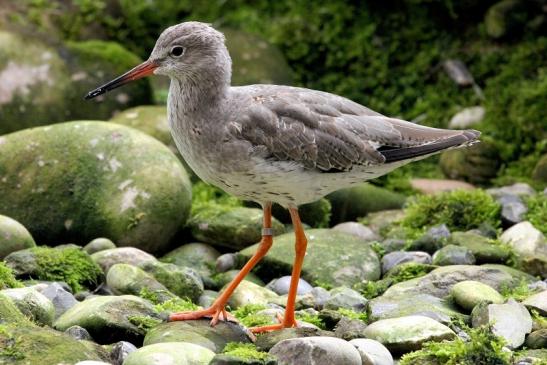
(177, 51)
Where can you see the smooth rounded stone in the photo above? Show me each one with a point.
(484, 250)
(540, 171)
(78, 333)
(250, 293)
(408, 333)
(227, 359)
(120, 351)
(372, 352)
(458, 72)
(467, 294)
(393, 259)
(511, 321)
(453, 255)
(198, 256)
(198, 332)
(9, 313)
(234, 228)
(32, 304)
(99, 244)
(62, 300)
(226, 262)
(327, 259)
(537, 339)
(393, 244)
(224, 278)
(518, 189)
(182, 281)
(357, 229)
(530, 245)
(357, 202)
(435, 186)
(320, 296)
(344, 297)
(315, 350)
(116, 182)
(349, 329)
(513, 212)
(13, 236)
(538, 302)
(266, 341)
(385, 306)
(281, 286)
(207, 298)
(129, 279)
(379, 221)
(432, 240)
(170, 353)
(121, 255)
(108, 318)
(467, 117)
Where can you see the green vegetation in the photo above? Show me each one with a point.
(483, 348)
(9, 346)
(362, 316)
(245, 351)
(68, 264)
(144, 323)
(249, 317)
(176, 305)
(540, 320)
(7, 280)
(518, 292)
(204, 194)
(314, 319)
(460, 210)
(373, 289)
(537, 212)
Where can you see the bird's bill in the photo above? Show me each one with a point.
(144, 69)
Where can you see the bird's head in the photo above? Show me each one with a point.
(192, 52)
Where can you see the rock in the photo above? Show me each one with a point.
(467, 117)
(122, 255)
(120, 351)
(32, 304)
(343, 297)
(226, 277)
(379, 221)
(483, 249)
(199, 256)
(540, 170)
(281, 286)
(511, 321)
(62, 300)
(316, 214)
(358, 230)
(229, 359)
(226, 262)
(518, 189)
(251, 293)
(170, 353)
(440, 281)
(393, 259)
(78, 333)
(513, 209)
(349, 329)
(530, 357)
(108, 319)
(372, 352)
(99, 244)
(92, 362)
(384, 307)
(352, 203)
(458, 72)
(530, 245)
(504, 17)
(231, 227)
(129, 279)
(467, 294)
(393, 244)
(182, 281)
(538, 302)
(434, 186)
(315, 350)
(13, 236)
(537, 339)
(117, 183)
(267, 340)
(207, 298)
(198, 332)
(476, 164)
(333, 258)
(453, 255)
(406, 334)
(9, 313)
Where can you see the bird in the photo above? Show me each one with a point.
(272, 143)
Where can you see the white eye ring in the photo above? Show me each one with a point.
(177, 51)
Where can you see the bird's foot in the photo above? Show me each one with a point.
(215, 312)
(289, 323)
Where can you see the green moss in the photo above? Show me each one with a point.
(68, 264)
(537, 212)
(518, 292)
(245, 351)
(9, 346)
(204, 194)
(372, 289)
(538, 318)
(311, 318)
(408, 271)
(459, 210)
(176, 305)
(249, 317)
(362, 316)
(483, 348)
(144, 323)
(7, 280)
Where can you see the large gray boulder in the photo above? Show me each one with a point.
(315, 350)
(13, 236)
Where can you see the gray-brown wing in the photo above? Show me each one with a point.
(322, 130)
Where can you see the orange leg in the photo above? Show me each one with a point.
(300, 248)
(216, 310)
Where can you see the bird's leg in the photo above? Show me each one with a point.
(216, 310)
(300, 247)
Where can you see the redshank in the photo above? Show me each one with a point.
(270, 143)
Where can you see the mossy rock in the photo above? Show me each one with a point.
(540, 170)
(76, 181)
(333, 258)
(28, 344)
(182, 281)
(199, 256)
(353, 203)
(9, 313)
(172, 353)
(484, 249)
(32, 304)
(13, 236)
(506, 17)
(7, 278)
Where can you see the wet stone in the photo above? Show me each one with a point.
(393, 259)
(453, 255)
